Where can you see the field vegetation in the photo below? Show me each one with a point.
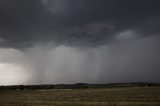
(111, 96)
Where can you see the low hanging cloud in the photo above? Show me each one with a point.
(68, 41)
(121, 61)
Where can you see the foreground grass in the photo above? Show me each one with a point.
(131, 96)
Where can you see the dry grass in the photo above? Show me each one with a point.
(133, 96)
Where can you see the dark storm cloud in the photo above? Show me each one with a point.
(93, 22)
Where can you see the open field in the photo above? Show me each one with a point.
(124, 96)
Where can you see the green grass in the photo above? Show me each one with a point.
(129, 96)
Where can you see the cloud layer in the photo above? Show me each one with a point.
(91, 22)
(68, 41)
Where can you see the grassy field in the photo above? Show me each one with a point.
(129, 96)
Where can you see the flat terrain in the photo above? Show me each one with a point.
(126, 96)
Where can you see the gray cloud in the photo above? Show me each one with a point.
(23, 23)
(120, 61)
(68, 41)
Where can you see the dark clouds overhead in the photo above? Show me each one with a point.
(97, 41)
(87, 22)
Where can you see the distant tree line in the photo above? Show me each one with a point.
(76, 86)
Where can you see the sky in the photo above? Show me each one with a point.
(79, 41)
